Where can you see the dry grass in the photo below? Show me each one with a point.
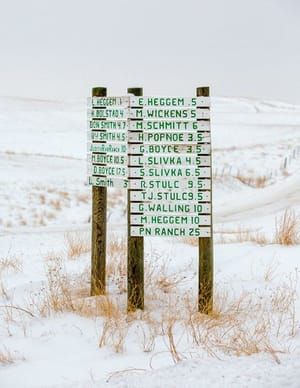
(270, 271)
(258, 238)
(42, 198)
(287, 228)
(10, 264)
(147, 335)
(168, 328)
(58, 294)
(56, 204)
(7, 357)
(250, 323)
(116, 268)
(3, 290)
(83, 197)
(193, 241)
(114, 332)
(77, 244)
(253, 181)
(64, 194)
(66, 293)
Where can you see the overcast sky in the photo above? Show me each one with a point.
(61, 48)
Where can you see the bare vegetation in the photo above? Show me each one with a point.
(83, 197)
(10, 264)
(250, 323)
(287, 228)
(253, 181)
(58, 292)
(7, 357)
(77, 243)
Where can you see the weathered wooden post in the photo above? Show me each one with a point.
(135, 253)
(99, 205)
(206, 270)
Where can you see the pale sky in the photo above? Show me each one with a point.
(59, 49)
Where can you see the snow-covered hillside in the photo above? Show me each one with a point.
(254, 338)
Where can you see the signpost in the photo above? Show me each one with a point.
(159, 149)
(205, 283)
(135, 247)
(99, 205)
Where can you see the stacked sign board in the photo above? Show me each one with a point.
(165, 144)
(107, 141)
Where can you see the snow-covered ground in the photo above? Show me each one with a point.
(254, 338)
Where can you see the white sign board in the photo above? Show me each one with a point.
(170, 231)
(170, 101)
(159, 148)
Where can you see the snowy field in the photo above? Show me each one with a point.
(52, 334)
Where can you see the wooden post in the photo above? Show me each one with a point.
(206, 270)
(99, 205)
(135, 255)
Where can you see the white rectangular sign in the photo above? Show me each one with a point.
(164, 125)
(164, 231)
(203, 149)
(113, 170)
(107, 148)
(169, 114)
(108, 113)
(107, 159)
(169, 172)
(170, 219)
(173, 160)
(167, 196)
(108, 124)
(99, 102)
(170, 184)
(119, 136)
(170, 101)
(169, 137)
(170, 207)
(108, 182)
(152, 101)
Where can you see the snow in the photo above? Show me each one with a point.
(44, 198)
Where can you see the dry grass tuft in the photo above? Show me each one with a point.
(249, 324)
(83, 197)
(147, 335)
(169, 324)
(7, 357)
(193, 241)
(287, 228)
(77, 244)
(10, 264)
(115, 325)
(56, 204)
(3, 290)
(58, 293)
(116, 262)
(253, 181)
(270, 271)
(258, 238)
(114, 333)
